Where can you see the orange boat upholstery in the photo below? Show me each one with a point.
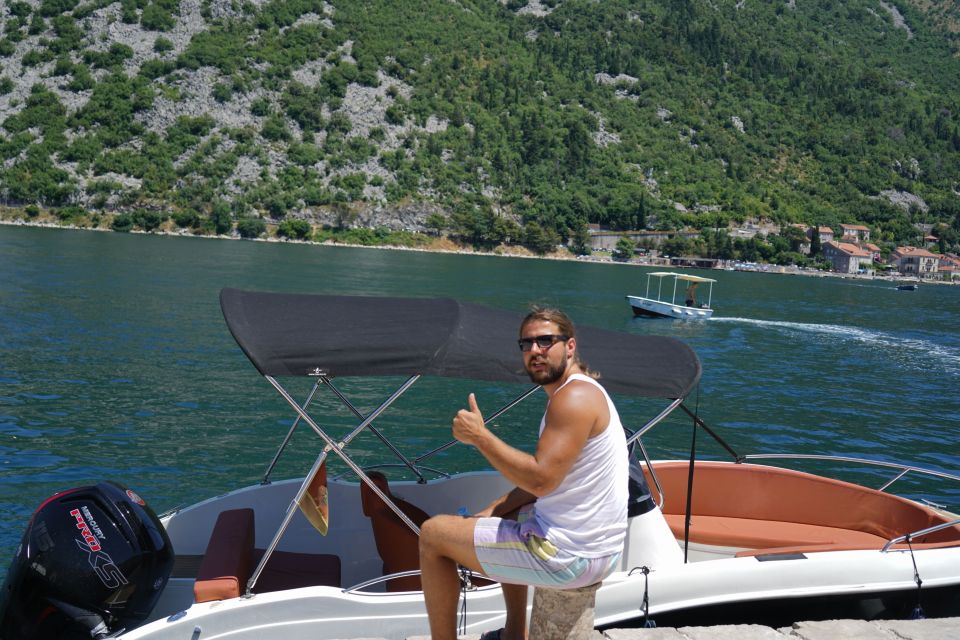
(756, 508)
(231, 557)
(397, 544)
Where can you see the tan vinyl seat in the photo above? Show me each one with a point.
(397, 544)
(231, 557)
(755, 507)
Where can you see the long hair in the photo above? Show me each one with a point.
(566, 327)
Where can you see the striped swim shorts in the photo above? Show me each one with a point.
(517, 552)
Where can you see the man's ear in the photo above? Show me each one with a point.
(571, 348)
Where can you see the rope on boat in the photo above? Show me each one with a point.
(917, 613)
(645, 605)
(465, 584)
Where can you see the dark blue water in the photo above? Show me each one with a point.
(115, 363)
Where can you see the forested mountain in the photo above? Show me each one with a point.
(517, 120)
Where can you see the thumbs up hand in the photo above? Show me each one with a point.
(468, 424)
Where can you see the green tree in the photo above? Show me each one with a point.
(580, 240)
(815, 244)
(251, 227)
(294, 228)
(624, 249)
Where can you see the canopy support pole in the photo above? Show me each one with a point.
(635, 437)
(375, 431)
(510, 405)
(286, 440)
(698, 422)
(654, 421)
(338, 449)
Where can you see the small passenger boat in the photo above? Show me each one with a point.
(656, 305)
(746, 539)
(907, 287)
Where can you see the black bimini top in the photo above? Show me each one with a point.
(308, 335)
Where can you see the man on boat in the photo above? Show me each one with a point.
(692, 294)
(564, 524)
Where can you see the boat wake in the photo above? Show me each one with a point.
(915, 351)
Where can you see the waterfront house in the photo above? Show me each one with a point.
(804, 246)
(825, 233)
(949, 267)
(873, 249)
(854, 233)
(846, 257)
(915, 262)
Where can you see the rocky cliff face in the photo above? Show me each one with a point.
(198, 93)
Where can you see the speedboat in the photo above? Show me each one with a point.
(657, 305)
(731, 540)
(907, 286)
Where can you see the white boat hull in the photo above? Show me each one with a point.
(659, 309)
(714, 577)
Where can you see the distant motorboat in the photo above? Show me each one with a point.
(660, 307)
(907, 287)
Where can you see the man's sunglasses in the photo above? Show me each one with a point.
(544, 342)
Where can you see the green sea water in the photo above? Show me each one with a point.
(115, 363)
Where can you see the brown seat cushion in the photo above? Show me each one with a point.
(228, 561)
(286, 570)
(397, 544)
(755, 506)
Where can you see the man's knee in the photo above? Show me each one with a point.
(448, 536)
(433, 532)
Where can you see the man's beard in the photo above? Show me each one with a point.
(550, 375)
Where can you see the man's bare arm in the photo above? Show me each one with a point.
(571, 418)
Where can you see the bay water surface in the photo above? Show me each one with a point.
(115, 363)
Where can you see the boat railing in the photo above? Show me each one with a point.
(413, 573)
(421, 479)
(919, 534)
(903, 469)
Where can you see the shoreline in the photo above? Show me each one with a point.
(506, 252)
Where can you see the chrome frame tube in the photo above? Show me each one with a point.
(375, 431)
(904, 468)
(408, 574)
(918, 534)
(655, 420)
(656, 480)
(510, 405)
(286, 440)
(338, 448)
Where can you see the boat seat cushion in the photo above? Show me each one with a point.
(746, 533)
(755, 507)
(397, 544)
(287, 570)
(230, 559)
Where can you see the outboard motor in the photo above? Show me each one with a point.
(92, 562)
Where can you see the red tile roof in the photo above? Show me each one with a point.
(851, 249)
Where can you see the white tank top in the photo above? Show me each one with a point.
(587, 514)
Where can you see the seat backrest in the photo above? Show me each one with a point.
(227, 562)
(397, 544)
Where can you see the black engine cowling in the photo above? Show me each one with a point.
(92, 561)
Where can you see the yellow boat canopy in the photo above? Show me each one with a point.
(680, 276)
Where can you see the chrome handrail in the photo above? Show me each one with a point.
(919, 534)
(903, 468)
(399, 574)
(378, 580)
